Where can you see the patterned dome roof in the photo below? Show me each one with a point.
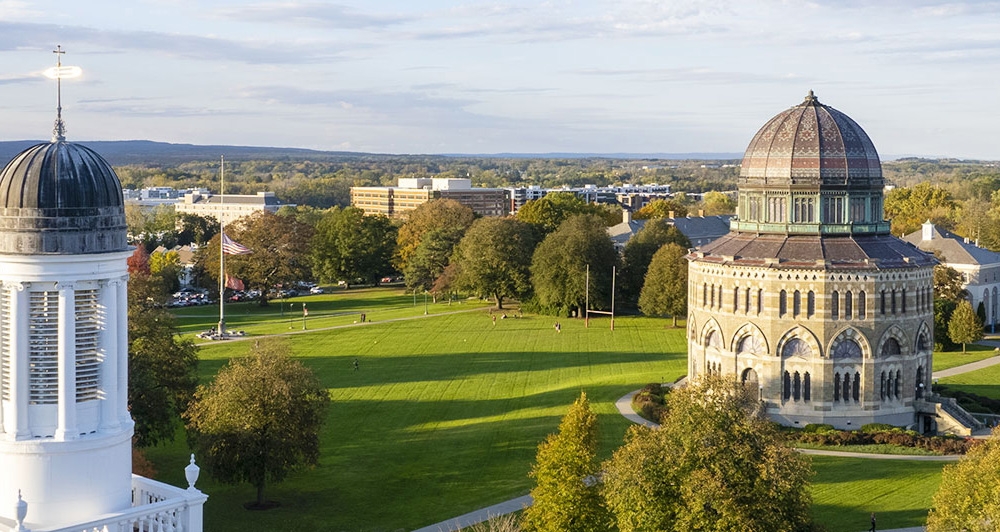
(812, 145)
(61, 198)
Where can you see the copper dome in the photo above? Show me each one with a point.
(811, 145)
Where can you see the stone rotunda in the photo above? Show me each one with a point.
(809, 299)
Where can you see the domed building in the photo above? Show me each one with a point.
(65, 428)
(809, 299)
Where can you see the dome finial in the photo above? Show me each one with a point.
(59, 131)
(811, 98)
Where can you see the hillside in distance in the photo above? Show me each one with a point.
(145, 152)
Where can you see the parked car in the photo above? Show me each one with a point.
(316, 290)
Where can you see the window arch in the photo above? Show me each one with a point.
(882, 388)
(862, 305)
(847, 348)
(782, 303)
(895, 384)
(810, 304)
(736, 299)
(750, 345)
(796, 386)
(806, 387)
(796, 347)
(836, 386)
(891, 348)
(846, 387)
(848, 304)
(796, 303)
(760, 300)
(835, 305)
(856, 387)
(714, 339)
(786, 386)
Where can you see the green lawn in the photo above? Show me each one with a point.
(984, 382)
(951, 359)
(846, 491)
(445, 414)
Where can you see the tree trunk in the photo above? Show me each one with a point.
(675, 322)
(963, 348)
(499, 300)
(260, 495)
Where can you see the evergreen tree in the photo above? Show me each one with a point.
(665, 289)
(964, 326)
(566, 495)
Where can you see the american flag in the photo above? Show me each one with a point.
(229, 247)
(234, 283)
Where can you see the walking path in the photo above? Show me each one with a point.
(624, 406)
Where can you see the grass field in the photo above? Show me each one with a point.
(984, 382)
(446, 411)
(951, 359)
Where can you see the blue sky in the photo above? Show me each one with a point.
(436, 76)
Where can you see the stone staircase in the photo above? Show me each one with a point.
(954, 419)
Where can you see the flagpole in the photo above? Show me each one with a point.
(221, 331)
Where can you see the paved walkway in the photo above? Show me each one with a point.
(624, 406)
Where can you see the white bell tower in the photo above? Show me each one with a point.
(65, 428)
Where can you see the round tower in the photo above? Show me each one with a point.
(65, 430)
(809, 299)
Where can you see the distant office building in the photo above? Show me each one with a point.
(628, 195)
(155, 196)
(411, 192)
(230, 207)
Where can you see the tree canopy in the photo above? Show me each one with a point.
(639, 251)
(715, 203)
(280, 252)
(666, 286)
(260, 419)
(349, 245)
(548, 212)
(908, 208)
(965, 327)
(662, 208)
(967, 499)
(442, 215)
(714, 464)
(559, 266)
(494, 258)
(566, 496)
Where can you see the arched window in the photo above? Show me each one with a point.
(749, 378)
(835, 305)
(760, 300)
(862, 305)
(746, 301)
(847, 348)
(712, 300)
(882, 302)
(895, 384)
(796, 304)
(806, 385)
(810, 304)
(922, 343)
(848, 304)
(750, 345)
(714, 340)
(736, 299)
(890, 348)
(836, 387)
(881, 389)
(786, 386)
(846, 387)
(856, 387)
(720, 297)
(893, 293)
(902, 300)
(796, 347)
(796, 386)
(704, 294)
(782, 303)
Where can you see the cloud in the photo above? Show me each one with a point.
(385, 101)
(18, 36)
(697, 76)
(313, 14)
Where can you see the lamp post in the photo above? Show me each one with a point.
(425, 302)
(290, 307)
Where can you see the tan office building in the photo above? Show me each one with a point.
(396, 202)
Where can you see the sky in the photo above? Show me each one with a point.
(435, 76)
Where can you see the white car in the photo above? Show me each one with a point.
(316, 290)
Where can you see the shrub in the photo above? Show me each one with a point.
(817, 427)
(878, 427)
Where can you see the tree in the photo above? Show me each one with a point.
(964, 326)
(715, 203)
(280, 246)
(948, 284)
(639, 251)
(908, 208)
(162, 366)
(166, 265)
(443, 215)
(260, 419)
(665, 289)
(494, 258)
(967, 499)
(559, 265)
(349, 245)
(549, 212)
(943, 310)
(195, 229)
(662, 208)
(431, 258)
(715, 464)
(566, 496)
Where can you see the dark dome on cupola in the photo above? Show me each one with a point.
(60, 198)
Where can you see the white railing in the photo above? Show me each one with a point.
(156, 507)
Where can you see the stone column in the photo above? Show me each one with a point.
(120, 315)
(19, 360)
(66, 330)
(109, 354)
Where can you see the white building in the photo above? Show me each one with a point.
(65, 429)
(228, 208)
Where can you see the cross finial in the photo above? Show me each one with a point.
(59, 131)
